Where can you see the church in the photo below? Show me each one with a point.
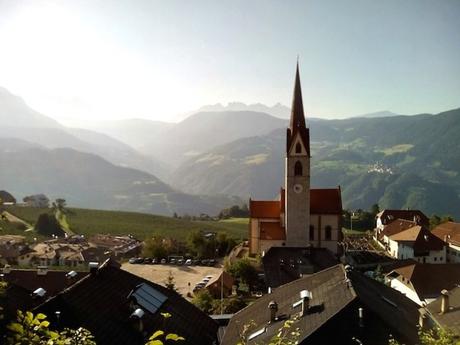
(302, 216)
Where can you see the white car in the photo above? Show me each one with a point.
(205, 280)
(188, 262)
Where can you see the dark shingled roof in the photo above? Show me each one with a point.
(336, 296)
(21, 284)
(429, 280)
(329, 290)
(6, 197)
(285, 264)
(99, 302)
(450, 319)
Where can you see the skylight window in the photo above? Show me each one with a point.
(257, 333)
(148, 298)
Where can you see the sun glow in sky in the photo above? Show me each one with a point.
(98, 60)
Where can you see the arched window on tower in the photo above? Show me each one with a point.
(312, 232)
(328, 233)
(298, 148)
(298, 169)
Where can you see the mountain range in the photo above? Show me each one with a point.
(222, 155)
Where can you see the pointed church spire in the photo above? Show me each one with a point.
(297, 122)
(297, 114)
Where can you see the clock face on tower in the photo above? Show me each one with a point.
(298, 188)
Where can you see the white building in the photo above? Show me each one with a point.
(450, 233)
(417, 243)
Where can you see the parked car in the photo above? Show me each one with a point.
(147, 261)
(180, 262)
(205, 262)
(172, 261)
(211, 262)
(188, 262)
(195, 262)
(205, 280)
(163, 261)
(155, 261)
(132, 260)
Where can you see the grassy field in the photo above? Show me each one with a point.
(87, 222)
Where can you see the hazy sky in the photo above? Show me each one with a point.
(157, 59)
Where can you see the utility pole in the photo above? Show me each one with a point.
(222, 293)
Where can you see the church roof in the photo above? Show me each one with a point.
(264, 209)
(326, 201)
(322, 201)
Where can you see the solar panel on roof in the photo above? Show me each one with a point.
(148, 298)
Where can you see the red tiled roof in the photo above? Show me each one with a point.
(449, 229)
(325, 201)
(264, 209)
(272, 231)
(322, 201)
(395, 227)
(421, 238)
(388, 216)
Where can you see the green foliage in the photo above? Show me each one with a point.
(209, 247)
(235, 211)
(286, 335)
(141, 225)
(157, 247)
(170, 283)
(204, 301)
(48, 225)
(30, 329)
(245, 271)
(160, 337)
(436, 336)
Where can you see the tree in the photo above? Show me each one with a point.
(435, 336)
(436, 220)
(375, 209)
(48, 225)
(157, 247)
(170, 283)
(30, 329)
(245, 271)
(204, 301)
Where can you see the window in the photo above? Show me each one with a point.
(435, 258)
(298, 169)
(298, 148)
(328, 233)
(312, 232)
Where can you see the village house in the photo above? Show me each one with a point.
(423, 283)
(326, 306)
(119, 246)
(120, 308)
(301, 216)
(382, 234)
(444, 312)
(385, 217)
(221, 285)
(23, 282)
(417, 243)
(449, 232)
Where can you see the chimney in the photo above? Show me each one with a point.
(361, 316)
(305, 297)
(93, 266)
(40, 292)
(137, 315)
(42, 270)
(273, 307)
(444, 301)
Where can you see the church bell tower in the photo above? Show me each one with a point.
(297, 173)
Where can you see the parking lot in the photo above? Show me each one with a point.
(183, 275)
